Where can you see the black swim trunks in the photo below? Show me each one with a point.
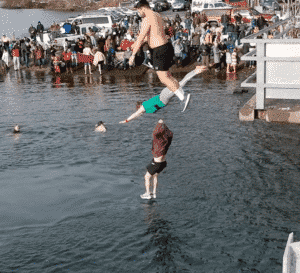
(156, 167)
(163, 57)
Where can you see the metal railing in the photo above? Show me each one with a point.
(278, 64)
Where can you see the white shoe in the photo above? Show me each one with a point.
(186, 101)
(145, 196)
(153, 195)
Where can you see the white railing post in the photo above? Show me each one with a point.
(260, 75)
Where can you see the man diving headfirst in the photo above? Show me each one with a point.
(153, 32)
(159, 101)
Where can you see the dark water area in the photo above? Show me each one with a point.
(70, 197)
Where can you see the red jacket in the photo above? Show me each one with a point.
(125, 44)
(67, 56)
(15, 52)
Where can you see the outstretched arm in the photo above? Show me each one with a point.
(135, 115)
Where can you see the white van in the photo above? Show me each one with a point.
(202, 5)
(101, 21)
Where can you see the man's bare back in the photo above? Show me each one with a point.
(156, 35)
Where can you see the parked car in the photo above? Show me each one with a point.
(270, 5)
(129, 12)
(199, 5)
(180, 5)
(249, 14)
(159, 5)
(100, 20)
(58, 38)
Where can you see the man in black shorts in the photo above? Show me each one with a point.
(153, 32)
(162, 138)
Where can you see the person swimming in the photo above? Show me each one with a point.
(17, 129)
(99, 127)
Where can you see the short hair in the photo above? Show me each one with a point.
(141, 3)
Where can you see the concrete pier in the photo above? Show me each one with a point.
(287, 111)
(291, 257)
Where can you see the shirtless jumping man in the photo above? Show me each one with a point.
(153, 32)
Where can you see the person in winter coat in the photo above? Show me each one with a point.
(205, 53)
(32, 31)
(40, 30)
(178, 51)
(224, 21)
(188, 24)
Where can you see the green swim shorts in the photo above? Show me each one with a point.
(152, 105)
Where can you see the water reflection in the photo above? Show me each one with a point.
(231, 76)
(56, 82)
(40, 75)
(163, 239)
(27, 74)
(88, 80)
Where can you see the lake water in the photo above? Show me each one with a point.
(69, 199)
(18, 21)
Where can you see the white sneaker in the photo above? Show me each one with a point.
(186, 101)
(153, 195)
(145, 196)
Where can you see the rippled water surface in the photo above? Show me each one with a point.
(69, 198)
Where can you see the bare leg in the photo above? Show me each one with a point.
(154, 183)
(228, 68)
(85, 68)
(147, 182)
(90, 69)
(167, 79)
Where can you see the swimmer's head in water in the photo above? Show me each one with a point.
(99, 127)
(17, 129)
(138, 104)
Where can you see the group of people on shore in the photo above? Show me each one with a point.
(192, 37)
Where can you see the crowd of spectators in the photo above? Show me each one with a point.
(192, 38)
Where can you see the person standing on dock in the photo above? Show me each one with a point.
(87, 63)
(16, 56)
(153, 32)
(162, 139)
(40, 30)
(32, 31)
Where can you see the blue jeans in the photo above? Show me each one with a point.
(225, 28)
(41, 62)
(27, 60)
(234, 36)
(230, 35)
(125, 63)
(146, 59)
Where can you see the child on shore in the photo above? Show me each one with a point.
(234, 60)
(228, 60)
